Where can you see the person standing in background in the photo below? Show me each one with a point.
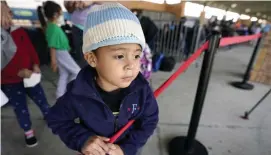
(78, 11)
(59, 46)
(19, 61)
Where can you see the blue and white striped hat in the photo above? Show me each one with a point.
(110, 24)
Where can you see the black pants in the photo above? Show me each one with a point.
(77, 35)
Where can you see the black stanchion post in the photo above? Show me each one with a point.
(247, 113)
(188, 145)
(244, 84)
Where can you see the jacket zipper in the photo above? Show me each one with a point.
(115, 118)
(116, 124)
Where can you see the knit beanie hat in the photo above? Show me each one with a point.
(110, 24)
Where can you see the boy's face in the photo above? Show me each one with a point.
(117, 65)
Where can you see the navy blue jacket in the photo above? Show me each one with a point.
(81, 113)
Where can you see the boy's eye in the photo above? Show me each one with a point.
(119, 56)
(137, 56)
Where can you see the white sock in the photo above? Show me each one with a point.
(29, 133)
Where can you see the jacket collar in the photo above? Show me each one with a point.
(84, 84)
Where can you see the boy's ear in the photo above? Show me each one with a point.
(90, 57)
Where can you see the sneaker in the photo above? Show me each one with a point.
(31, 142)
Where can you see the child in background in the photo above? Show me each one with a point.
(146, 63)
(59, 46)
(110, 91)
(18, 61)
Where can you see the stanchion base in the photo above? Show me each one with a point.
(176, 147)
(245, 116)
(242, 85)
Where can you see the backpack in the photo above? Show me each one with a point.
(168, 64)
(146, 62)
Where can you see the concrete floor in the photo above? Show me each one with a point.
(221, 130)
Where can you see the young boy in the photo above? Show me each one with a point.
(110, 91)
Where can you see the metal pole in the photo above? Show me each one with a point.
(185, 42)
(255, 106)
(202, 89)
(180, 43)
(175, 41)
(194, 39)
(198, 38)
(188, 145)
(244, 84)
(164, 41)
(251, 62)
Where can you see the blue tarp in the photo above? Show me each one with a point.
(30, 14)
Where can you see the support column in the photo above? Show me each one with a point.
(202, 18)
(182, 9)
(176, 9)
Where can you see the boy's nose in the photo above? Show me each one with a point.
(129, 65)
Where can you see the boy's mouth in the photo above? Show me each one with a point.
(127, 78)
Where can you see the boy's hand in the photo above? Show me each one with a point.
(24, 73)
(36, 68)
(117, 151)
(97, 145)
